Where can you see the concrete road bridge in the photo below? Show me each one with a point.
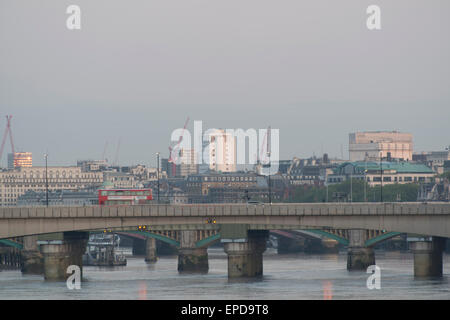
(243, 228)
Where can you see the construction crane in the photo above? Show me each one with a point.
(295, 162)
(174, 152)
(116, 159)
(104, 151)
(265, 143)
(7, 130)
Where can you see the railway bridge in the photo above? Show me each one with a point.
(243, 228)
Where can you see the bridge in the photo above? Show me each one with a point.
(243, 228)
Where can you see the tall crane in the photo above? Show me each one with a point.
(104, 151)
(7, 130)
(265, 147)
(116, 159)
(175, 152)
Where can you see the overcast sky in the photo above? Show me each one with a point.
(137, 69)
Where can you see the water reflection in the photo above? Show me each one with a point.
(327, 290)
(285, 277)
(142, 290)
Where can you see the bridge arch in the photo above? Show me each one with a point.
(206, 242)
(156, 236)
(380, 238)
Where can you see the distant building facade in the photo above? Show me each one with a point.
(58, 198)
(198, 186)
(188, 163)
(14, 183)
(120, 180)
(437, 160)
(388, 172)
(92, 165)
(370, 146)
(20, 160)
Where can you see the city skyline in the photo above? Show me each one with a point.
(109, 149)
(312, 70)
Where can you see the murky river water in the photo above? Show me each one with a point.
(286, 277)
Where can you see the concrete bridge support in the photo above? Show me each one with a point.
(150, 250)
(32, 258)
(245, 259)
(190, 258)
(428, 257)
(359, 257)
(62, 252)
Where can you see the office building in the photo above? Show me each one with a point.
(388, 145)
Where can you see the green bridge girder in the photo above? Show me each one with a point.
(155, 236)
(326, 234)
(200, 244)
(207, 241)
(368, 243)
(11, 243)
(380, 238)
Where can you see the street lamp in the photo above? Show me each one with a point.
(381, 172)
(157, 171)
(351, 185)
(365, 179)
(270, 188)
(46, 180)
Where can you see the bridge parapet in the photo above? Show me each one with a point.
(296, 209)
(430, 219)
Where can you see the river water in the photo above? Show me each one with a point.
(286, 277)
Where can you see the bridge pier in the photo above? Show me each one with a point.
(190, 258)
(59, 253)
(32, 259)
(245, 259)
(359, 257)
(428, 257)
(150, 250)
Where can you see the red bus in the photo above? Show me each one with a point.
(111, 197)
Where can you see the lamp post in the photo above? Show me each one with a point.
(365, 180)
(270, 188)
(351, 185)
(381, 172)
(46, 180)
(157, 171)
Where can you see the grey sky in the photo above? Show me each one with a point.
(137, 69)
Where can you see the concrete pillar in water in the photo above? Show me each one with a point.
(32, 258)
(190, 258)
(60, 254)
(428, 257)
(150, 250)
(359, 257)
(245, 259)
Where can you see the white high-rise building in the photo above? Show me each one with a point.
(222, 151)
